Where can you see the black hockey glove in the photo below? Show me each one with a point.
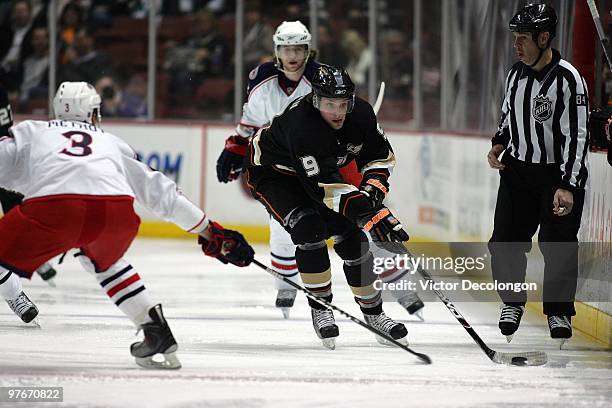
(599, 128)
(383, 226)
(9, 199)
(375, 187)
(227, 246)
(231, 160)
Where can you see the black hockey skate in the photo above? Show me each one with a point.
(413, 304)
(387, 325)
(158, 340)
(23, 307)
(285, 299)
(509, 320)
(560, 328)
(47, 273)
(325, 326)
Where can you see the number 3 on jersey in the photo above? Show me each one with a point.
(310, 165)
(79, 144)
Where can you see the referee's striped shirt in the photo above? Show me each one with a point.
(544, 118)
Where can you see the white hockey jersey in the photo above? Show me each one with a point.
(269, 93)
(58, 157)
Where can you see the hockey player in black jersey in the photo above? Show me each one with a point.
(10, 199)
(292, 169)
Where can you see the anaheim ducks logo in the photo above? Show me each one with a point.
(351, 149)
(542, 108)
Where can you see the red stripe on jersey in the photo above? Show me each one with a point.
(387, 273)
(284, 267)
(198, 224)
(134, 278)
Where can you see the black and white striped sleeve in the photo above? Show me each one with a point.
(502, 136)
(573, 127)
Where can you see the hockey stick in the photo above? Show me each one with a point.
(423, 357)
(379, 98)
(533, 358)
(605, 42)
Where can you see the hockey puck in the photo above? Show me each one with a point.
(519, 361)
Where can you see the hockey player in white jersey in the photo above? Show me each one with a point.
(79, 184)
(272, 87)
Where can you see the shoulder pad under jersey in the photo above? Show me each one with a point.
(260, 73)
(311, 68)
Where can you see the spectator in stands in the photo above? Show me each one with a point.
(204, 55)
(13, 35)
(110, 93)
(359, 56)
(134, 100)
(71, 20)
(328, 48)
(257, 33)
(35, 68)
(84, 63)
(396, 63)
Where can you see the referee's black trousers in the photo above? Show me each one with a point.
(524, 202)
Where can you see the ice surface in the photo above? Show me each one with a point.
(238, 351)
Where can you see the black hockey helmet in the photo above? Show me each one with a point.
(332, 82)
(535, 18)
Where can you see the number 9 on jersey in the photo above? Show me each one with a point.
(310, 165)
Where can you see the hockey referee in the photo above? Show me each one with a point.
(543, 135)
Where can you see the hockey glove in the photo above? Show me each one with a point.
(226, 245)
(9, 199)
(230, 162)
(383, 226)
(599, 128)
(376, 187)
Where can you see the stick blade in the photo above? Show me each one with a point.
(424, 358)
(527, 358)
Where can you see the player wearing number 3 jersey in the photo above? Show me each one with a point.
(79, 184)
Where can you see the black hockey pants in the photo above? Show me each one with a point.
(524, 202)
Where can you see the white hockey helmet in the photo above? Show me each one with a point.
(291, 33)
(77, 101)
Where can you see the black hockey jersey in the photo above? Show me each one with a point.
(299, 142)
(6, 116)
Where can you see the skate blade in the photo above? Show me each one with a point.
(329, 343)
(35, 323)
(51, 282)
(419, 315)
(170, 362)
(381, 340)
(286, 311)
(509, 338)
(562, 343)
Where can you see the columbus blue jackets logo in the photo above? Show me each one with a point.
(542, 108)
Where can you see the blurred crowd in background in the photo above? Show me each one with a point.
(105, 43)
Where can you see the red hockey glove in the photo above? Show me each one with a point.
(227, 246)
(230, 162)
